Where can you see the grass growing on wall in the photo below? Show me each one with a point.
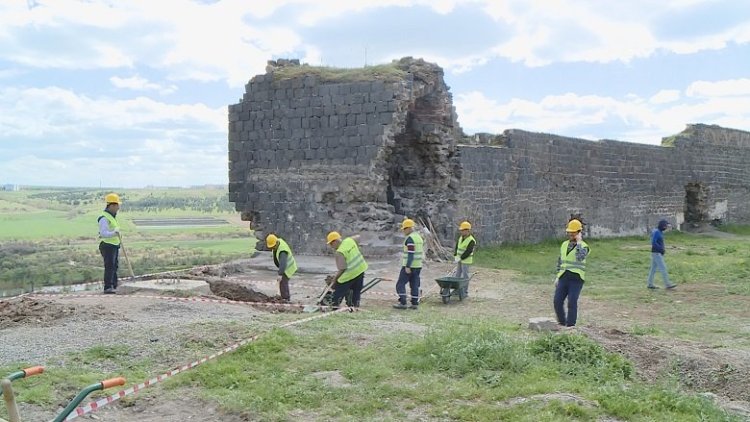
(382, 72)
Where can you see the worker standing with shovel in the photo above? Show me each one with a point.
(284, 261)
(351, 267)
(109, 247)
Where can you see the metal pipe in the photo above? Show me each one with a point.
(10, 400)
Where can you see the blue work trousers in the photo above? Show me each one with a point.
(413, 280)
(568, 286)
(657, 263)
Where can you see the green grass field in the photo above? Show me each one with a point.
(49, 236)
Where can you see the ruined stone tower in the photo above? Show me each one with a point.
(317, 149)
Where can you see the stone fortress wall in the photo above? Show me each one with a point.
(312, 150)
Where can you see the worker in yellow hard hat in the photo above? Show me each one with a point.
(109, 245)
(411, 266)
(571, 272)
(463, 253)
(351, 266)
(284, 261)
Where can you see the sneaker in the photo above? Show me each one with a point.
(109, 291)
(671, 287)
(653, 287)
(415, 307)
(399, 306)
(568, 328)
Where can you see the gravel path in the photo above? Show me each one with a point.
(139, 323)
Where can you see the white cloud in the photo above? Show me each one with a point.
(71, 139)
(581, 115)
(220, 40)
(665, 96)
(174, 168)
(728, 88)
(138, 83)
(548, 32)
(52, 111)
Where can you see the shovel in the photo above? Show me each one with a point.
(316, 307)
(125, 254)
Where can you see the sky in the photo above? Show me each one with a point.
(134, 93)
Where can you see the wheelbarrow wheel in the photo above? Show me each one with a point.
(445, 293)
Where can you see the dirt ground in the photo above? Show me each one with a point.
(721, 374)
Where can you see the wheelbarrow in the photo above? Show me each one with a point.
(7, 387)
(453, 286)
(10, 400)
(112, 382)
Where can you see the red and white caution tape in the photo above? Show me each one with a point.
(183, 299)
(88, 408)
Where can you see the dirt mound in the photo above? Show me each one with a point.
(697, 366)
(29, 310)
(234, 290)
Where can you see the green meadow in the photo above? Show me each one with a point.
(49, 236)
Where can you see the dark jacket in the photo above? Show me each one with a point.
(657, 238)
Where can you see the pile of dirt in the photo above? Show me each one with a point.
(234, 290)
(29, 310)
(698, 367)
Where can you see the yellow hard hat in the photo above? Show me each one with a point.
(407, 223)
(112, 198)
(574, 226)
(271, 240)
(464, 226)
(332, 236)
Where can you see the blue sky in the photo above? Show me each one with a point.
(134, 93)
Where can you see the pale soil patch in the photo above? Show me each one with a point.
(332, 379)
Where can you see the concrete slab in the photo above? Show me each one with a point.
(166, 284)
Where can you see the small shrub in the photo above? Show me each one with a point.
(462, 349)
(578, 353)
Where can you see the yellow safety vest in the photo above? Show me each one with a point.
(416, 262)
(355, 262)
(568, 260)
(112, 225)
(291, 264)
(461, 248)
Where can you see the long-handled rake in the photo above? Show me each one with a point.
(125, 254)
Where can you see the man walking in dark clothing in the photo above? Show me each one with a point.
(657, 256)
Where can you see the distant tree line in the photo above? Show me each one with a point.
(149, 203)
(71, 197)
(153, 203)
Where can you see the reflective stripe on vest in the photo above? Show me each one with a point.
(291, 264)
(355, 262)
(568, 261)
(416, 262)
(461, 248)
(112, 225)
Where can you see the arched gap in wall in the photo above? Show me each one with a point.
(696, 206)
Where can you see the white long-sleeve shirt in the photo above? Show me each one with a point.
(104, 228)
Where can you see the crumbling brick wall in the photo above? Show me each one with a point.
(310, 153)
(523, 186)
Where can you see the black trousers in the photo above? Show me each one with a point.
(110, 254)
(284, 287)
(342, 289)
